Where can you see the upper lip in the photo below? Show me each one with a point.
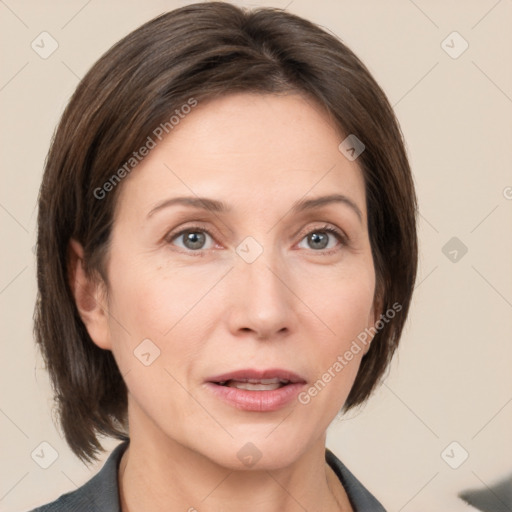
(249, 373)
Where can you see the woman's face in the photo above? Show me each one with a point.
(262, 278)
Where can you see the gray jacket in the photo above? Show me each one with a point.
(101, 493)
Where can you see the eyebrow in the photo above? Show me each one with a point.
(202, 203)
(318, 202)
(214, 205)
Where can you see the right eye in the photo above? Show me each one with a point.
(192, 239)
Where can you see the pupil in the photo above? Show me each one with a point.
(194, 240)
(318, 240)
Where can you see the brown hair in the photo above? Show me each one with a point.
(201, 51)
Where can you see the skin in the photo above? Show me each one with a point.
(296, 307)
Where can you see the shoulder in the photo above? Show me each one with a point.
(360, 498)
(99, 494)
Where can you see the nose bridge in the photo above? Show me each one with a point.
(261, 300)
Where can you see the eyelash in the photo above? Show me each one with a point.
(341, 237)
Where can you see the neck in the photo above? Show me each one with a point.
(180, 478)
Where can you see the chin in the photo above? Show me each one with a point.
(259, 451)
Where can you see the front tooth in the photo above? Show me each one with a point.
(264, 381)
(260, 386)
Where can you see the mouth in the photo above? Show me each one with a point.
(257, 380)
(257, 390)
(254, 384)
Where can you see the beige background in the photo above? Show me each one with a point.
(452, 379)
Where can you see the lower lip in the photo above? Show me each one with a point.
(260, 401)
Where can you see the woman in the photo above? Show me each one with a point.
(226, 256)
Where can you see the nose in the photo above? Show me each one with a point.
(261, 299)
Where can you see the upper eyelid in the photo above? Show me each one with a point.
(327, 226)
(180, 231)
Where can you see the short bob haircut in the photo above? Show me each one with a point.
(201, 51)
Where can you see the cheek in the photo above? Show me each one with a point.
(166, 306)
(151, 300)
(345, 306)
(345, 303)
(150, 318)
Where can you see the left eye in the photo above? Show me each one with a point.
(320, 239)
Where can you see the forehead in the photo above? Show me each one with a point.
(247, 148)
